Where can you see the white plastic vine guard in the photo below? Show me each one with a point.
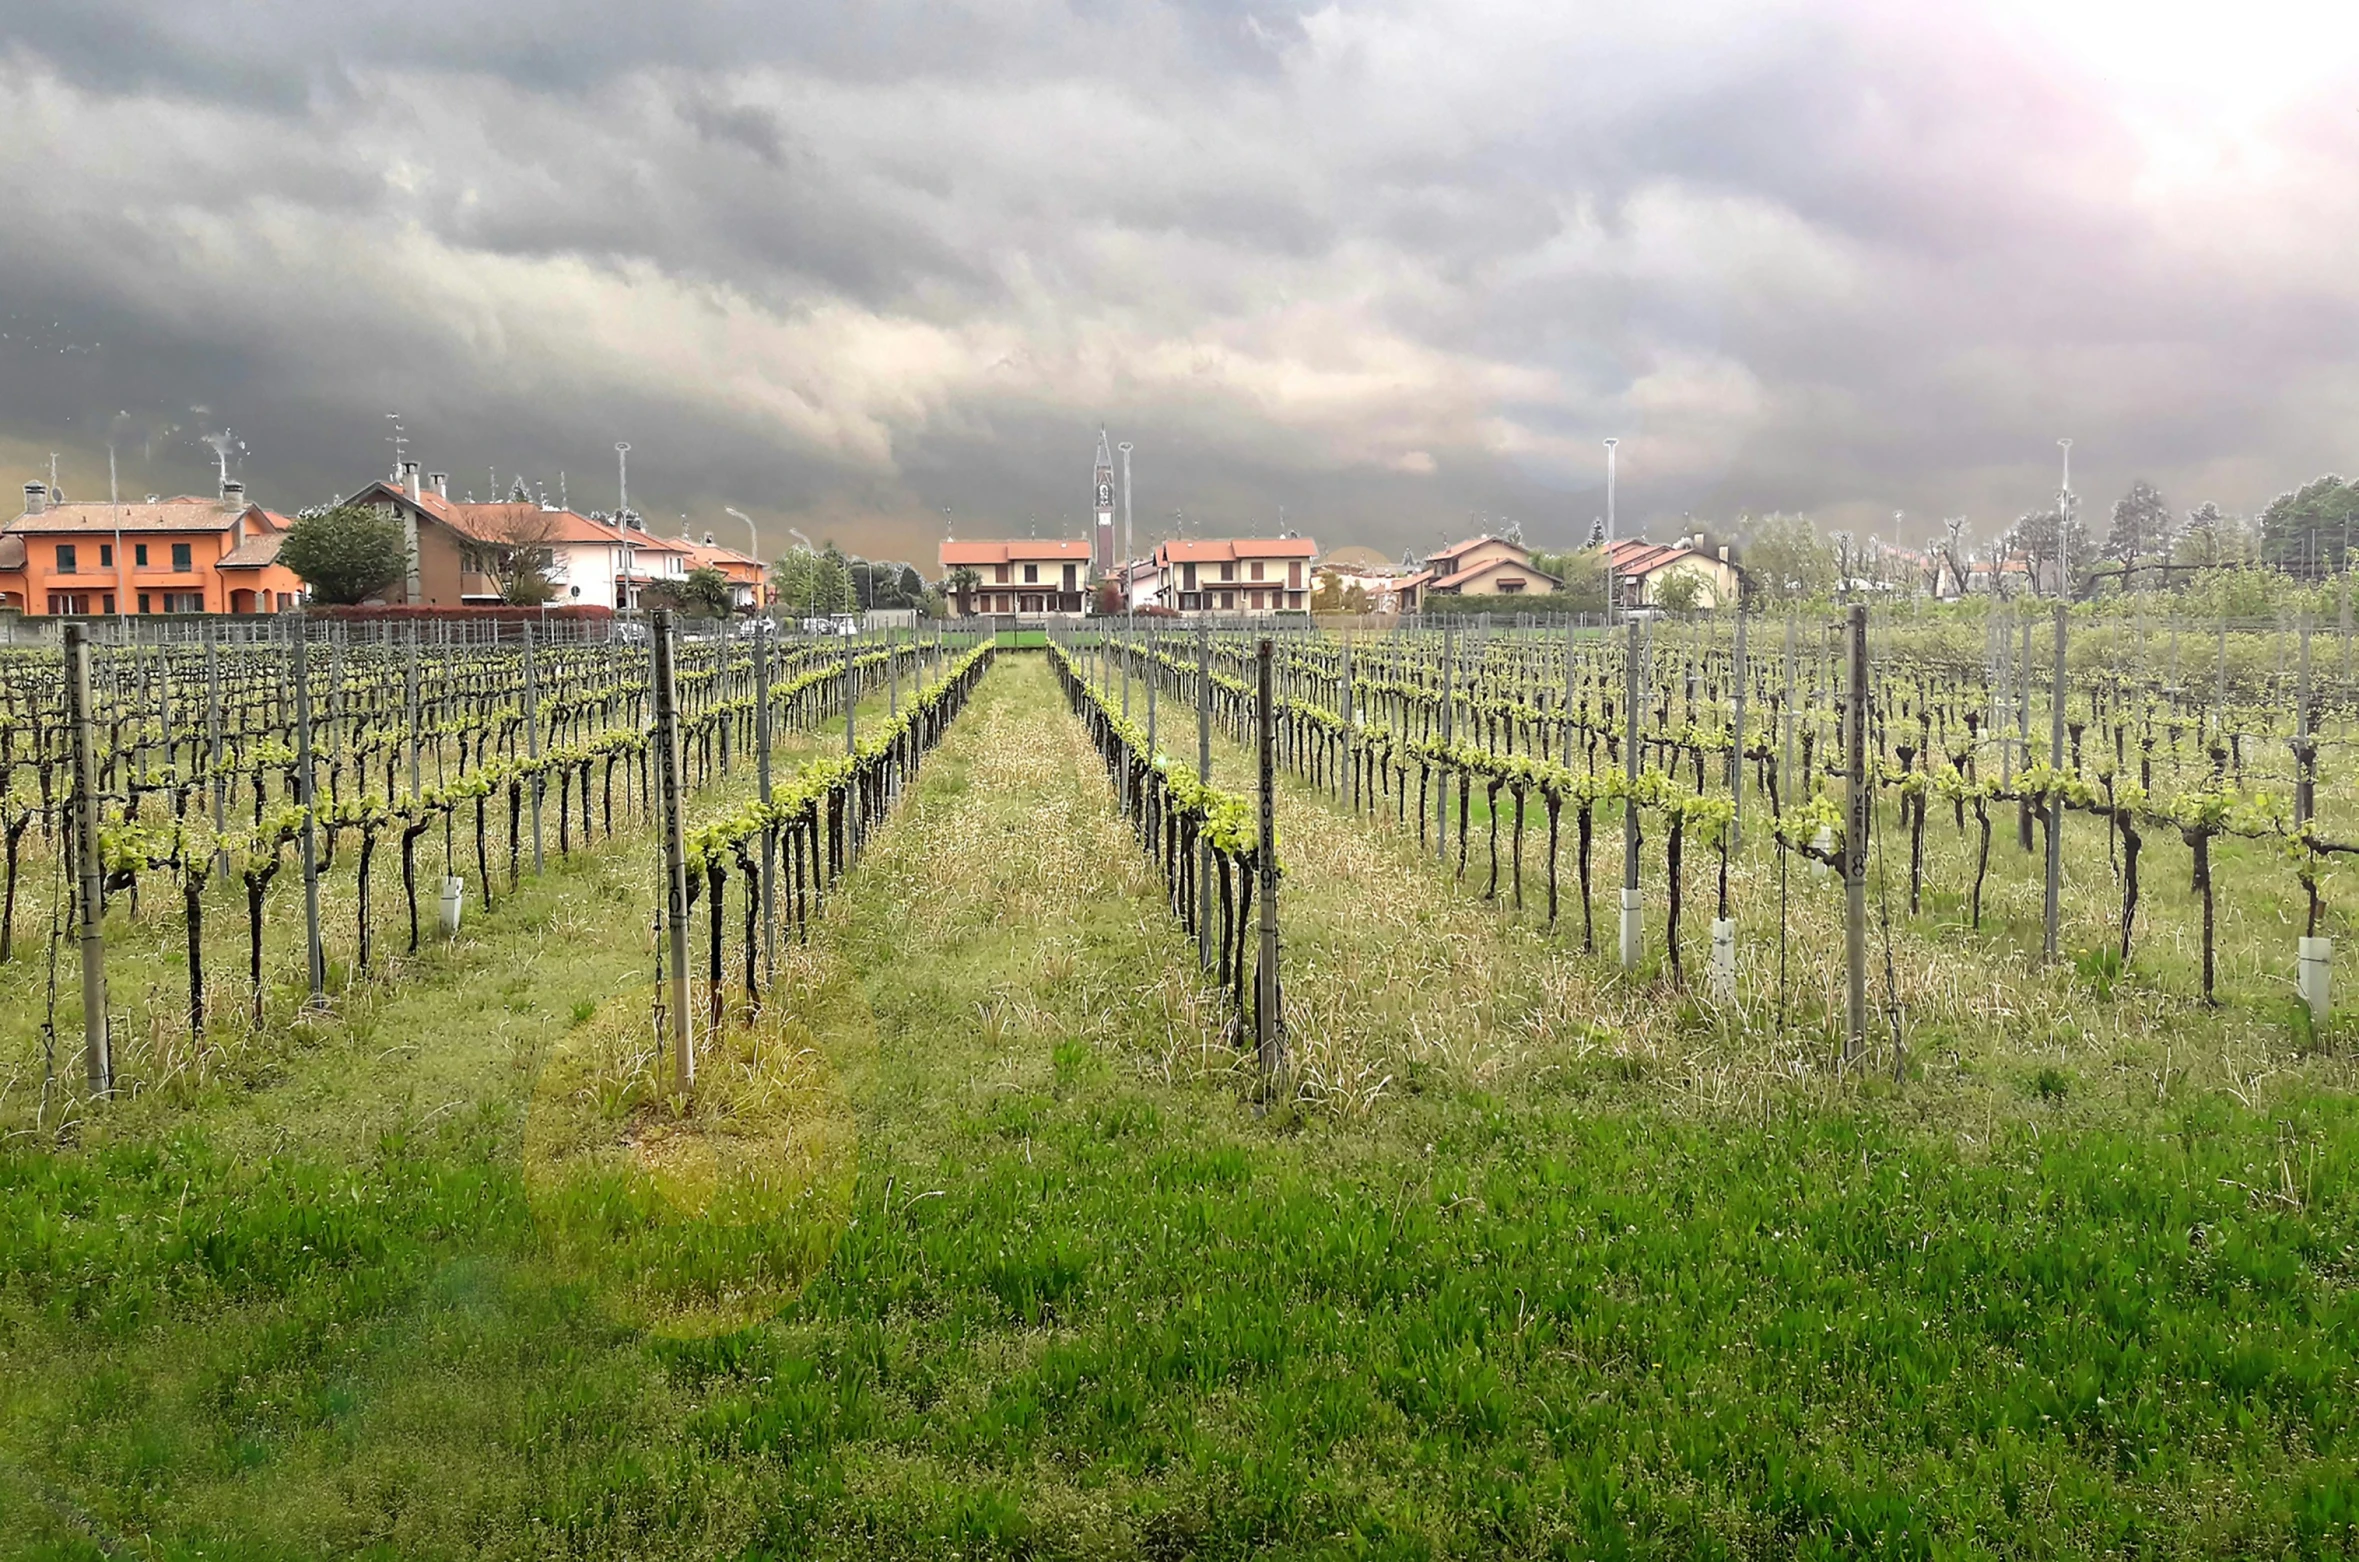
(1633, 941)
(2313, 969)
(1722, 971)
(1825, 842)
(453, 901)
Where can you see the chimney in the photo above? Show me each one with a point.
(233, 494)
(36, 499)
(409, 478)
(708, 539)
(1724, 553)
(442, 484)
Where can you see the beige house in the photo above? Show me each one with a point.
(1017, 575)
(1640, 570)
(1236, 574)
(1487, 567)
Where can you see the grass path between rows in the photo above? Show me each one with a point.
(1089, 1304)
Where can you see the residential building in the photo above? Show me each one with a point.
(182, 555)
(1640, 570)
(1386, 586)
(1236, 574)
(1486, 567)
(456, 546)
(1017, 575)
(749, 578)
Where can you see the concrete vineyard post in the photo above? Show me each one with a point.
(2304, 756)
(1268, 1023)
(893, 661)
(532, 738)
(1569, 661)
(762, 780)
(410, 709)
(1153, 675)
(97, 1060)
(1858, 800)
(2053, 908)
(1441, 807)
(2023, 731)
(315, 959)
(1204, 940)
(1736, 749)
(1633, 937)
(675, 852)
(213, 750)
(851, 743)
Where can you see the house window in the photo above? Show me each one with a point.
(1187, 577)
(106, 555)
(1257, 569)
(999, 574)
(180, 559)
(1509, 588)
(110, 603)
(1294, 575)
(65, 558)
(1068, 577)
(143, 601)
(1228, 571)
(139, 557)
(1031, 574)
(1257, 601)
(184, 601)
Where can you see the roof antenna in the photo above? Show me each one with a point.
(400, 442)
(563, 503)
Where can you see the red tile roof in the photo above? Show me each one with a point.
(184, 514)
(1221, 550)
(1460, 577)
(1015, 549)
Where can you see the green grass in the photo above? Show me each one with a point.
(1086, 1302)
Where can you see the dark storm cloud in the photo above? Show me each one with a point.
(1396, 267)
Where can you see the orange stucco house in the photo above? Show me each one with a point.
(183, 555)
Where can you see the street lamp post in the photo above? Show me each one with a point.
(2063, 514)
(1609, 529)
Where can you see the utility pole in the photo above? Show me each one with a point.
(98, 1060)
(675, 851)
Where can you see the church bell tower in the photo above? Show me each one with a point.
(1101, 488)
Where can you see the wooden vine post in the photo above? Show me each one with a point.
(1267, 1021)
(97, 1059)
(1859, 799)
(675, 851)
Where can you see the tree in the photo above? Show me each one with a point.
(963, 581)
(1787, 560)
(346, 554)
(1327, 592)
(1682, 591)
(2055, 546)
(2141, 525)
(704, 593)
(523, 558)
(2202, 540)
(1954, 553)
(2306, 531)
(1597, 532)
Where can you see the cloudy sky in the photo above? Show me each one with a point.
(1396, 267)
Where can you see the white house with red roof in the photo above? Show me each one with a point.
(1484, 567)
(1640, 570)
